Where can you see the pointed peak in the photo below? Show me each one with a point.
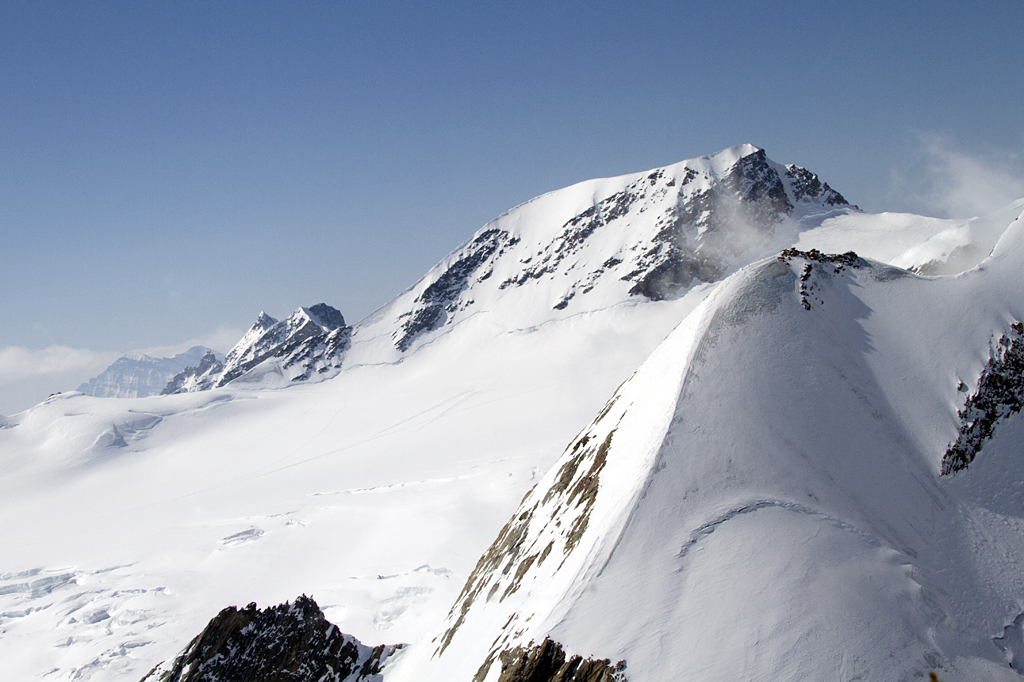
(326, 316)
(321, 314)
(745, 149)
(264, 321)
(733, 154)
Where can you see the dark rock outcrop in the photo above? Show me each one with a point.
(441, 297)
(837, 261)
(806, 184)
(300, 335)
(1000, 393)
(547, 662)
(285, 643)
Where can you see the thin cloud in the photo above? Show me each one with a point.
(221, 340)
(18, 363)
(28, 376)
(941, 179)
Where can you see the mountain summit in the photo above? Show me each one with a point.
(644, 237)
(312, 340)
(651, 234)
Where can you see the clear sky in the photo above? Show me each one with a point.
(168, 169)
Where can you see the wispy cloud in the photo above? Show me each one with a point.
(27, 376)
(221, 340)
(17, 363)
(942, 179)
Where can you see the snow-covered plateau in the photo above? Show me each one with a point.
(731, 443)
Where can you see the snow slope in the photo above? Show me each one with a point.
(762, 500)
(126, 525)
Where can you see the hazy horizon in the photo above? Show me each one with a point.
(170, 170)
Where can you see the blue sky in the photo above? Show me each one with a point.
(169, 169)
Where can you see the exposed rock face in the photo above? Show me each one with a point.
(546, 662)
(285, 643)
(295, 339)
(806, 184)
(1000, 393)
(199, 378)
(311, 341)
(838, 262)
(441, 297)
(542, 534)
(709, 227)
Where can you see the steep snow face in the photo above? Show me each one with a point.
(137, 375)
(961, 246)
(647, 236)
(764, 498)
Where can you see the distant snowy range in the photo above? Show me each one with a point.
(706, 422)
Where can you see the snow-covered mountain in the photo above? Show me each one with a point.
(311, 341)
(200, 377)
(769, 496)
(767, 483)
(646, 236)
(137, 375)
(621, 241)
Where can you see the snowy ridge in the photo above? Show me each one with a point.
(295, 339)
(762, 500)
(962, 246)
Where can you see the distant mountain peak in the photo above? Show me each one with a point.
(651, 235)
(327, 317)
(309, 341)
(137, 375)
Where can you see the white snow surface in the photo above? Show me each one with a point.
(767, 502)
(126, 525)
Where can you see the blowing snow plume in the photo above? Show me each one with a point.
(957, 184)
